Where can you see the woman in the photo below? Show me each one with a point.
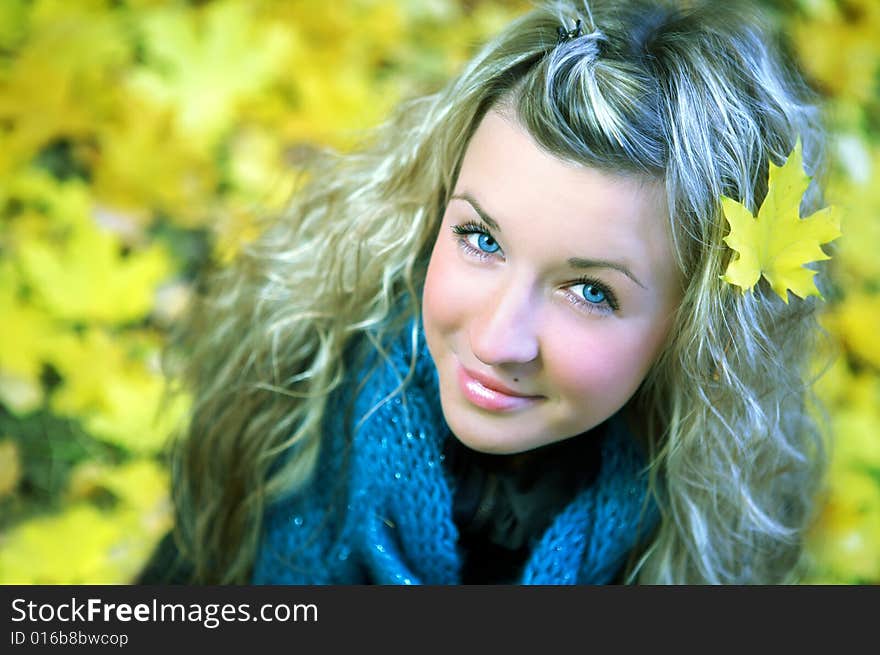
(495, 345)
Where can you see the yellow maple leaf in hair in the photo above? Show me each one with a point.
(778, 243)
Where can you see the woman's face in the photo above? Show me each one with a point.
(549, 293)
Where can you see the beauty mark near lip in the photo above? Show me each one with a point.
(490, 397)
(494, 385)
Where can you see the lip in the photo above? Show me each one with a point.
(490, 394)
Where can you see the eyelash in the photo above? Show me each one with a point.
(611, 300)
(464, 230)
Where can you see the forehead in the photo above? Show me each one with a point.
(564, 208)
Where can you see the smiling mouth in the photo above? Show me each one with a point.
(489, 398)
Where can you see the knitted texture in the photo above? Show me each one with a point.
(379, 507)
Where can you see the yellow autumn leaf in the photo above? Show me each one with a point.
(854, 188)
(853, 323)
(40, 205)
(838, 47)
(856, 443)
(203, 62)
(113, 384)
(145, 164)
(25, 330)
(60, 82)
(77, 262)
(83, 544)
(141, 484)
(778, 243)
(837, 381)
(844, 543)
(68, 548)
(260, 184)
(84, 274)
(355, 41)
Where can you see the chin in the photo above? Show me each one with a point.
(492, 448)
(494, 440)
(488, 447)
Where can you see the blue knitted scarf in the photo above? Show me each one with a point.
(379, 507)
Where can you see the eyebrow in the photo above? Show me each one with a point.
(477, 208)
(578, 262)
(574, 262)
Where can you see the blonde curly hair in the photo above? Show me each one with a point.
(689, 93)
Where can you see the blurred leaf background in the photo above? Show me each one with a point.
(140, 140)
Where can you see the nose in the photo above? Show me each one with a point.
(503, 330)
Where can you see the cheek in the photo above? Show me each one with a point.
(442, 294)
(608, 362)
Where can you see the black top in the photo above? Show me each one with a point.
(504, 503)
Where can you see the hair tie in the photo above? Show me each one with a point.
(564, 35)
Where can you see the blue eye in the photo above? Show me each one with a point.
(487, 243)
(594, 294)
(476, 240)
